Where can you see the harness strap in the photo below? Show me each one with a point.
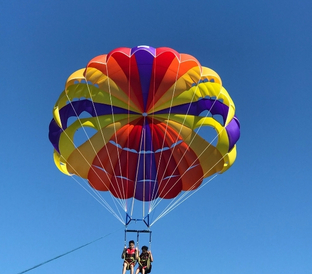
(129, 258)
(148, 264)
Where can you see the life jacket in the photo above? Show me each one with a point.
(130, 255)
(145, 261)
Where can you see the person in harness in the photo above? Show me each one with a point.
(130, 256)
(145, 260)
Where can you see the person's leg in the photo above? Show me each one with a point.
(124, 269)
(131, 269)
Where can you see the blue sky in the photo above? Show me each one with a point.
(255, 218)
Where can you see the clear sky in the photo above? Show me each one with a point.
(255, 218)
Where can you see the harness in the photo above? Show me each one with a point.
(130, 256)
(145, 262)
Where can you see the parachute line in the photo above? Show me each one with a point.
(122, 190)
(164, 138)
(157, 201)
(90, 165)
(102, 201)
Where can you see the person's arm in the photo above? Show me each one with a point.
(136, 253)
(151, 256)
(123, 254)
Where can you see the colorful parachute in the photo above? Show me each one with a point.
(149, 109)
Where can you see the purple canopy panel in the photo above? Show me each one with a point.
(75, 109)
(54, 134)
(151, 50)
(144, 58)
(146, 189)
(196, 108)
(233, 131)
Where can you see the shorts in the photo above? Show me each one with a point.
(129, 263)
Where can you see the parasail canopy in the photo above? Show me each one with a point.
(160, 124)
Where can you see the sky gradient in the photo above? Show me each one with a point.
(255, 218)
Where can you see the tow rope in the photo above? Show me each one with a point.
(59, 256)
